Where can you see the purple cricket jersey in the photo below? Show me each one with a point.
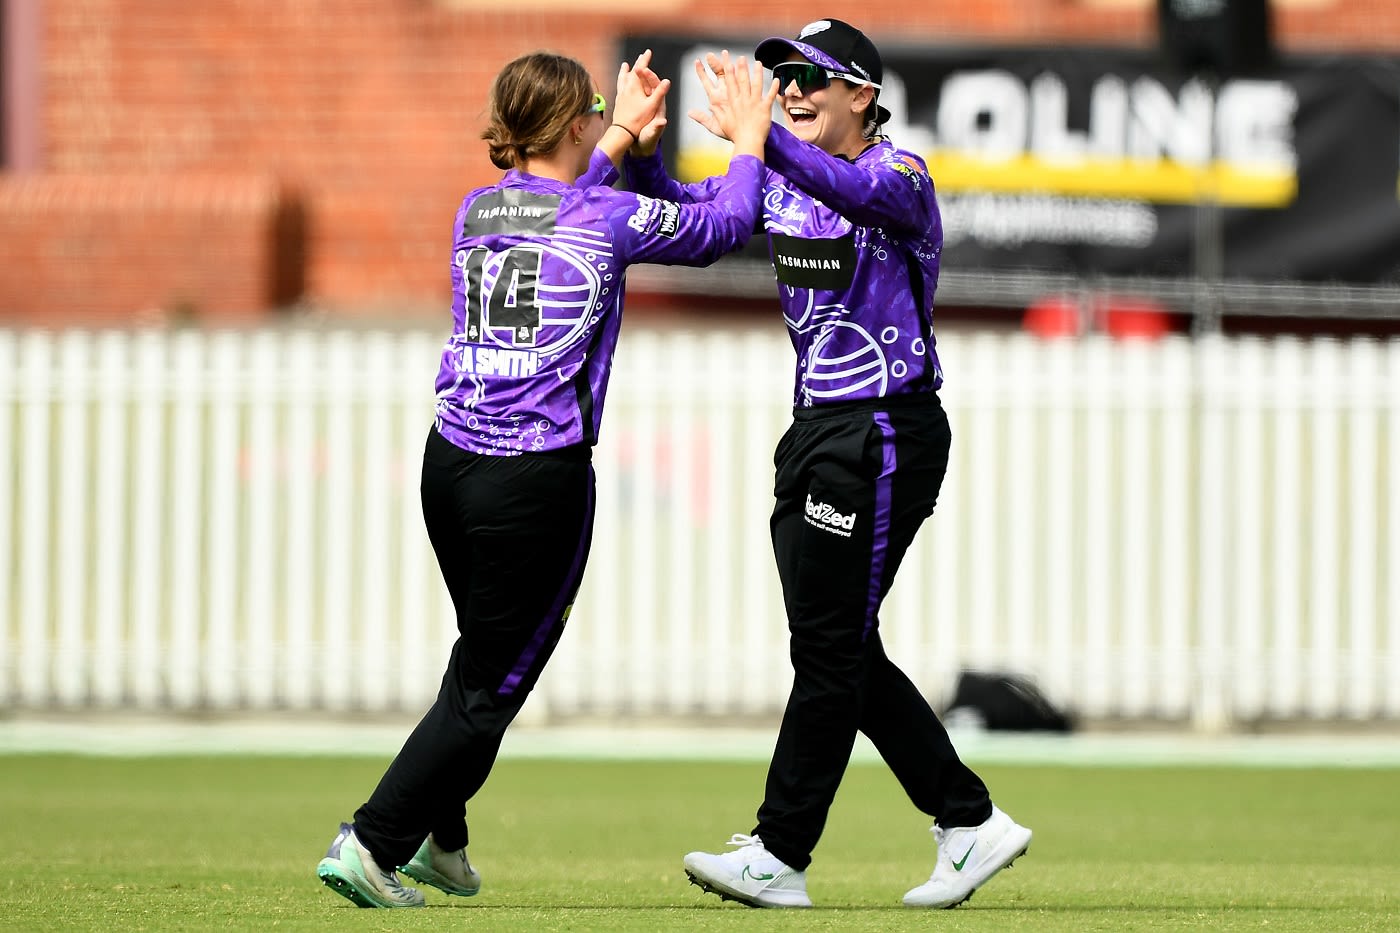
(538, 271)
(855, 248)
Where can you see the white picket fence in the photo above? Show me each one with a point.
(1201, 531)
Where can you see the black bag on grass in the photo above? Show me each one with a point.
(1004, 701)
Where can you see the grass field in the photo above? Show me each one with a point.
(227, 843)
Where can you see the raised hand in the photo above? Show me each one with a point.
(741, 108)
(650, 136)
(711, 74)
(716, 64)
(639, 106)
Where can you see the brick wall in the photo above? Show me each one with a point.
(366, 114)
(106, 249)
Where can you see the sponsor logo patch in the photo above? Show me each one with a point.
(827, 518)
(666, 215)
(511, 211)
(813, 263)
(670, 219)
(646, 207)
(910, 170)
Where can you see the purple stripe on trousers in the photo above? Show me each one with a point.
(556, 610)
(880, 530)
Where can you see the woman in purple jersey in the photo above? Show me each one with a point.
(538, 267)
(855, 236)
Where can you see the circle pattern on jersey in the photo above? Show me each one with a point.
(836, 376)
(566, 311)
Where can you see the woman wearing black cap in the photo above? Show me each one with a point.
(855, 237)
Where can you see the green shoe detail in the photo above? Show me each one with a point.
(346, 872)
(448, 871)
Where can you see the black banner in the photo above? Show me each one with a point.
(1105, 161)
(809, 263)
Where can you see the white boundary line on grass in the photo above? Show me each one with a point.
(138, 737)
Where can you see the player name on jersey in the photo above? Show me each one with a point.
(497, 361)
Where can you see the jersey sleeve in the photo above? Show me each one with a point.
(689, 233)
(647, 175)
(892, 191)
(600, 171)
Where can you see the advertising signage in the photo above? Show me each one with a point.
(1103, 160)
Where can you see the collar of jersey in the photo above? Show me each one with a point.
(874, 143)
(515, 177)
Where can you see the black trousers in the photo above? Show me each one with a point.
(854, 483)
(512, 536)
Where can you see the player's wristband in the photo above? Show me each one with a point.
(635, 137)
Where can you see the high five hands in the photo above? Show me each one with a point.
(741, 108)
(639, 108)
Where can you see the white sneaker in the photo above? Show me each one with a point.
(749, 875)
(350, 871)
(448, 871)
(968, 856)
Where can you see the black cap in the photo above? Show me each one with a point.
(834, 45)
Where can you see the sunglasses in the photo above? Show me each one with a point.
(809, 77)
(599, 104)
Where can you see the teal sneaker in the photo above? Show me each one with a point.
(449, 872)
(350, 871)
